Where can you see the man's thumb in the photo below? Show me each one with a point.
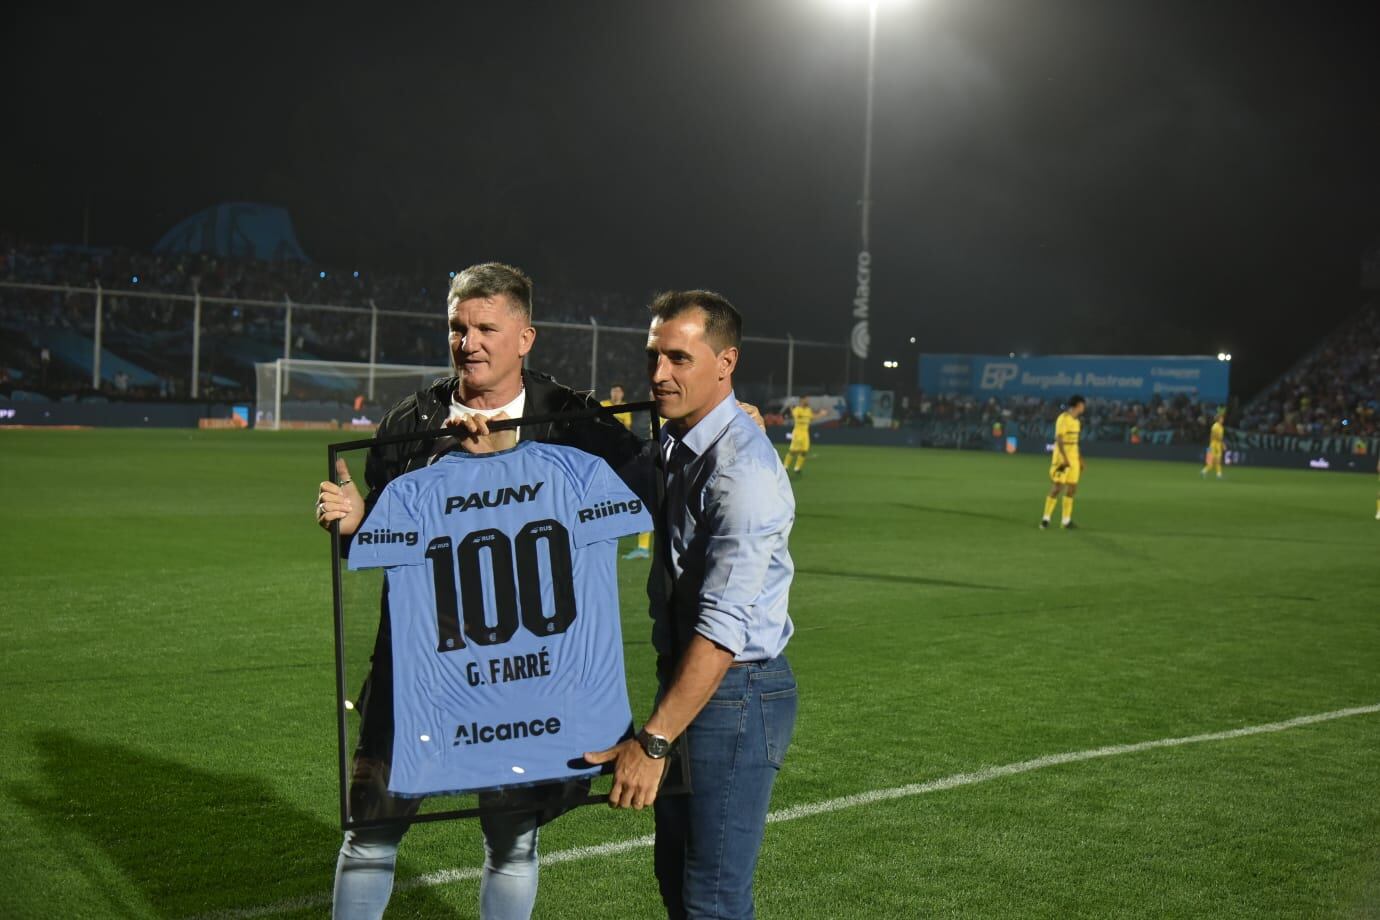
(342, 472)
(600, 756)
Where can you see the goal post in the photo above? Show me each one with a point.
(306, 393)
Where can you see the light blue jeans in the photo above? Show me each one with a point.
(707, 841)
(507, 888)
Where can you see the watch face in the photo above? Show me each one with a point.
(655, 745)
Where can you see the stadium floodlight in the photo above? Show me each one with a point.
(912, 340)
(860, 339)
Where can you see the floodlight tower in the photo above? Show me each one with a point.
(860, 339)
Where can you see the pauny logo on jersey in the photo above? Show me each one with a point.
(604, 509)
(493, 498)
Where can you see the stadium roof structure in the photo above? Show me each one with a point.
(240, 229)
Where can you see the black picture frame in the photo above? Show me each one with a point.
(677, 780)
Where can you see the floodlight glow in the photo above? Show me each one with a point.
(134, 279)
(912, 340)
(1221, 356)
(323, 274)
(356, 274)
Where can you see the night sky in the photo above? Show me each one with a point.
(1096, 177)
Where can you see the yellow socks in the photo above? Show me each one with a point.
(1049, 506)
(644, 540)
(1068, 508)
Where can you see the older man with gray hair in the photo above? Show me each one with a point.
(489, 311)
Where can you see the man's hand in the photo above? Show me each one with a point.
(636, 777)
(472, 433)
(753, 414)
(340, 502)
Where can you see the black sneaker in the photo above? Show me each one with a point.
(1070, 526)
(1044, 525)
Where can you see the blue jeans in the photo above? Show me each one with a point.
(707, 841)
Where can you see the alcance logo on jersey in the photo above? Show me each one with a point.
(474, 733)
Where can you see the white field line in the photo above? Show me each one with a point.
(827, 806)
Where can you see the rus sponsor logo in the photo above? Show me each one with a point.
(493, 498)
(474, 733)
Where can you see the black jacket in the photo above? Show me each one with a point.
(427, 410)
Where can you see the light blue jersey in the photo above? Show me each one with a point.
(503, 595)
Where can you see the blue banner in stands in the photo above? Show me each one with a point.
(1059, 376)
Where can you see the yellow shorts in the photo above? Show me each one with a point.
(1216, 451)
(800, 443)
(1069, 477)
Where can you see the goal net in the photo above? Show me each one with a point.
(301, 393)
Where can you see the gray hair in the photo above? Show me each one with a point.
(491, 279)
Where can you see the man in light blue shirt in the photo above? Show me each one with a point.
(718, 594)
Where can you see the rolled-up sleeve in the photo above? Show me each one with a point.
(748, 522)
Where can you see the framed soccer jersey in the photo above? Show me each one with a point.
(502, 590)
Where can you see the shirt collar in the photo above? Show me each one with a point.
(700, 438)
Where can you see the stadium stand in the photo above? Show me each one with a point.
(1332, 391)
(1158, 421)
(146, 338)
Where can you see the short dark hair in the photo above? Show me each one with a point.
(618, 386)
(490, 279)
(1076, 400)
(723, 324)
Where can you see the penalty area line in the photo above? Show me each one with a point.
(857, 800)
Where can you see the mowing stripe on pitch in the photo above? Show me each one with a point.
(829, 805)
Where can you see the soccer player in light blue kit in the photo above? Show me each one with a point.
(718, 593)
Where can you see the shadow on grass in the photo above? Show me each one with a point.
(899, 579)
(143, 676)
(189, 840)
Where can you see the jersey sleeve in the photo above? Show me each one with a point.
(392, 532)
(608, 509)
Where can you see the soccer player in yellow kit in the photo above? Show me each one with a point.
(616, 398)
(801, 415)
(1217, 447)
(1066, 465)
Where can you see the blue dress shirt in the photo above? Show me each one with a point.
(728, 515)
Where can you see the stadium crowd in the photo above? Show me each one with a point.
(155, 332)
(1333, 391)
(1181, 418)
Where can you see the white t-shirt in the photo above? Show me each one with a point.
(514, 408)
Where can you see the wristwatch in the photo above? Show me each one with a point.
(656, 746)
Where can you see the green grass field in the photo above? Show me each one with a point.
(169, 749)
